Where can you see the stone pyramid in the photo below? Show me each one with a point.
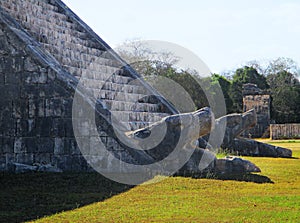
(46, 53)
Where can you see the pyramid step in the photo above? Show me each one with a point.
(130, 116)
(114, 105)
(76, 48)
(131, 126)
(129, 88)
(119, 96)
(104, 73)
(55, 27)
(109, 86)
(91, 65)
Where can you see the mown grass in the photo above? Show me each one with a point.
(178, 199)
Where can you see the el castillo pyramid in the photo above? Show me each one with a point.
(45, 50)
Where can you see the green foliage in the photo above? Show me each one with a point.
(278, 78)
(243, 76)
(191, 84)
(225, 86)
(285, 91)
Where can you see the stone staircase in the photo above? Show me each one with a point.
(83, 54)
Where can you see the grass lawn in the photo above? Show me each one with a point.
(175, 199)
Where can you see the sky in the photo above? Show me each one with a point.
(224, 34)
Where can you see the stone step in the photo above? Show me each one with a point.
(114, 95)
(79, 56)
(108, 75)
(119, 96)
(72, 48)
(114, 105)
(129, 88)
(64, 33)
(90, 65)
(131, 126)
(22, 9)
(54, 36)
(56, 30)
(110, 86)
(36, 8)
(131, 116)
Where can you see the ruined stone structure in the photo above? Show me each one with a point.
(234, 143)
(255, 98)
(285, 131)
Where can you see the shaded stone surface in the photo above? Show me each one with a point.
(234, 165)
(249, 147)
(24, 168)
(202, 161)
(235, 125)
(177, 130)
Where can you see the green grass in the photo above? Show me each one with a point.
(178, 199)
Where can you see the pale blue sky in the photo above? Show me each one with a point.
(224, 34)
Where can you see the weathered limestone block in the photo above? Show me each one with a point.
(233, 125)
(172, 131)
(203, 119)
(236, 124)
(23, 168)
(202, 161)
(249, 147)
(48, 169)
(234, 165)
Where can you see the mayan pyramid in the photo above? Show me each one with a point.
(45, 50)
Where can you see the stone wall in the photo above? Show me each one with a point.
(36, 112)
(285, 131)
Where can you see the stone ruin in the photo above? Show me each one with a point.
(233, 142)
(260, 101)
(45, 50)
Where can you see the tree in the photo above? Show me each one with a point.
(225, 85)
(148, 63)
(282, 64)
(285, 92)
(145, 60)
(281, 74)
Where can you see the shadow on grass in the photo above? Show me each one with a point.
(25, 197)
(249, 177)
(254, 178)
